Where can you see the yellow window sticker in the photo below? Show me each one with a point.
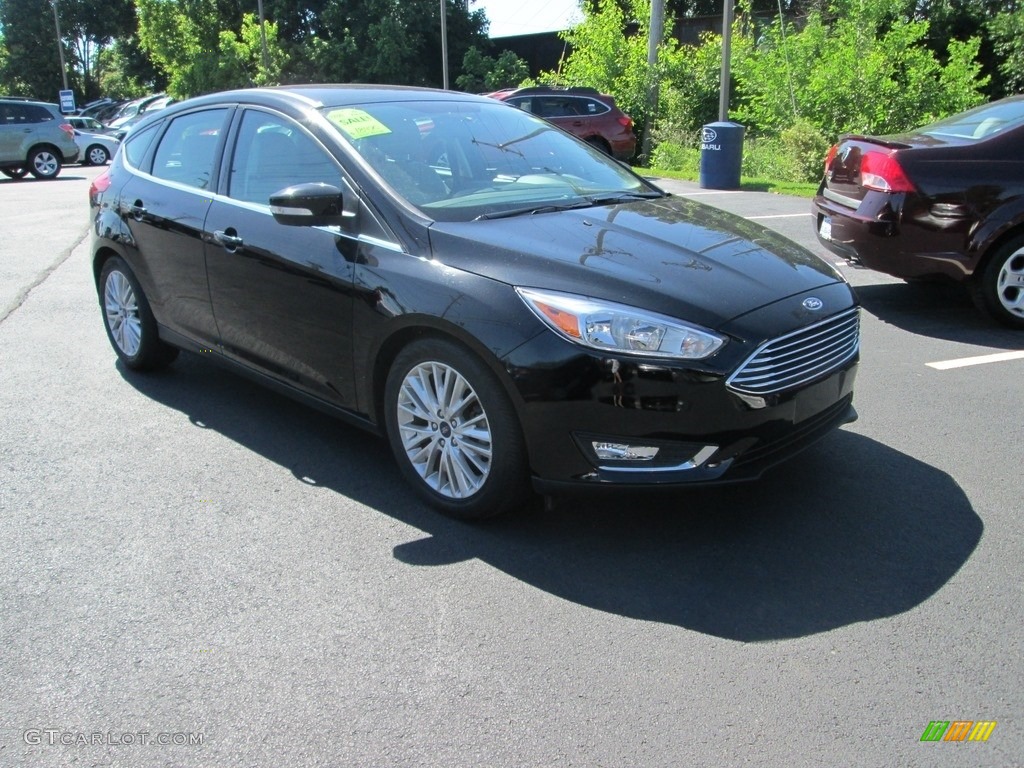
(356, 123)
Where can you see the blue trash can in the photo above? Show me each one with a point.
(721, 155)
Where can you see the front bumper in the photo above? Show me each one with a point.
(704, 431)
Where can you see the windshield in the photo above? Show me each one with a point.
(458, 161)
(980, 122)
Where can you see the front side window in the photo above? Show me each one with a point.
(272, 153)
(458, 160)
(188, 150)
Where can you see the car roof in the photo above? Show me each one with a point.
(328, 95)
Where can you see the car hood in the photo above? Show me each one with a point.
(669, 255)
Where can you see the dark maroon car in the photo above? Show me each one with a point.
(584, 112)
(945, 200)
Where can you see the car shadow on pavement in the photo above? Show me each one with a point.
(937, 310)
(849, 531)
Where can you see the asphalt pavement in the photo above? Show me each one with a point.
(188, 558)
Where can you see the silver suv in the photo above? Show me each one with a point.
(34, 138)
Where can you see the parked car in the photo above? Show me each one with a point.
(125, 126)
(87, 124)
(943, 201)
(34, 138)
(499, 300)
(95, 148)
(132, 108)
(583, 112)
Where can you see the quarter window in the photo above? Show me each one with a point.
(188, 150)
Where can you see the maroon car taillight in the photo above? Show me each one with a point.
(881, 171)
(626, 122)
(69, 130)
(830, 157)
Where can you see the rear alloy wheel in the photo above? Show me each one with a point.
(97, 155)
(454, 432)
(43, 163)
(14, 173)
(1000, 288)
(129, 321)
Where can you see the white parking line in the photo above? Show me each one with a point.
(963, 362)
(780, 216)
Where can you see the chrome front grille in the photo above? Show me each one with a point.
(799, 357)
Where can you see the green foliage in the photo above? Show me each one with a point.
(824, 71)
(1007, 33)
(32, 67)
(187, 40)
(484, 74)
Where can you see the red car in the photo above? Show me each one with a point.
(945, 200)
(584, 112)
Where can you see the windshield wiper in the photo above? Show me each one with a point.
(547, 208)
(622, 197)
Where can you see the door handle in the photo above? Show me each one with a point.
(137, 210)
(228, 239)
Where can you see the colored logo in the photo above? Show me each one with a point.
(708, 135)
(958, 730)
(813, 304)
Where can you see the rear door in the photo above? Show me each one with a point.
(164, 206)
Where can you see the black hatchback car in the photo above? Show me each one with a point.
(500, 299)
(942, 201)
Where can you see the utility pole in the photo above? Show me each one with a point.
(444, 45)
(263, 38)
(60, 46)
(723, 94)
(655, 34)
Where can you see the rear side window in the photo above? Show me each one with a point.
(188, 149)
(23, 114)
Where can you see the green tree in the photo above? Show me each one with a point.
(482, 73)
(32, 65)
(201, 48)
(1007, 34)
(822, 72)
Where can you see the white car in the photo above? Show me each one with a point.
(95, 148)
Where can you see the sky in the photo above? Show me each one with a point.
(524, 17)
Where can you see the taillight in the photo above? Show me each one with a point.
(69, 129)
(626, 122)
(830, 157)
(99, 185)
(881, 171)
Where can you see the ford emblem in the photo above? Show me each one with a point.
(708, 135)
(813, 304)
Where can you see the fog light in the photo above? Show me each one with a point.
(624, 452)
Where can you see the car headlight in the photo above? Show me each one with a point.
(612, 327)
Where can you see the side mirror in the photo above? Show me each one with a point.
(307, 205)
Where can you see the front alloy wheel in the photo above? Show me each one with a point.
(453, 431)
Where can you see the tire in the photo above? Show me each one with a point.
(129, 322)
(600, 144)
(44, 163)
(14, 173)
(96, 155)
(999, 289)
(468, 461)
